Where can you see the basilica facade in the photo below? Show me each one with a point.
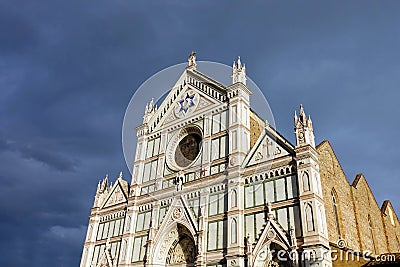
(213, 184)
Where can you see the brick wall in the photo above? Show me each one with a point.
(356, 203)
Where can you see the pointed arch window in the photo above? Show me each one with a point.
(234, 199)
(371, 233)
(309, 218)
(336, 212)
(306, 182)
(233, 231)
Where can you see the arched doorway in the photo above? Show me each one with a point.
(183, 250)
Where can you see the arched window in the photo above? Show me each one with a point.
(336, 212)
(309, 218)
(306, 182)
(233, 199)
(233, 231)
(371, 233)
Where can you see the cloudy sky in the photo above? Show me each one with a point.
(69, 68)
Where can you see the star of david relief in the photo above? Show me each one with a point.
(187, 104)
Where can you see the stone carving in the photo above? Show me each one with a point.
(258, 156)
(177, 213)
(173, 234)
(182, 252)
(187, 104)
(116, 197)
(271, 234)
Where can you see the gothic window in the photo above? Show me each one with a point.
(336, 212)
(306, 182)
(216, 204)
(254, 195)
(371, 232)
(233, 231)
(233, 199)
(280, 189)
(96, 253)
(115, 247)
(215, 235)
(282, 216)
(218, 148)
(150, 171)
(143, 221)
(309, 218)
(270, 191)
(153, 147)
(253, 224)
(110, 229)
(291, 186)
(139, 248)
(219, 122)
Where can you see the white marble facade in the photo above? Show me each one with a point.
(202, 195)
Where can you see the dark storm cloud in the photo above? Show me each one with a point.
(69, 68)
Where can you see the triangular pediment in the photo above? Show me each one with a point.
(272, 233)
(193, 92)
(270, 145)
(178, 219)
(118, 194)
(179, 212)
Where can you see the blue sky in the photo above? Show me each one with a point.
(69, 68)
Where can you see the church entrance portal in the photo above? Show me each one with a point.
(183, 250)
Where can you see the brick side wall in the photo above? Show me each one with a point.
(392, 227)
(333, 178)
(356, 203)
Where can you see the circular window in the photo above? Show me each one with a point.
(184, 148)
(187, 150)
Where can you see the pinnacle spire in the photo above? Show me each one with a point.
(303, 128)
(238, 72)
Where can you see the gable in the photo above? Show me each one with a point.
(179, 215)
(188, 103)
(192, 92)
(116, 195)
(269, 146)
(272, 233)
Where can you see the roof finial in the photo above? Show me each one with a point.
(192, 61)
(270, 213)
(120, 175)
